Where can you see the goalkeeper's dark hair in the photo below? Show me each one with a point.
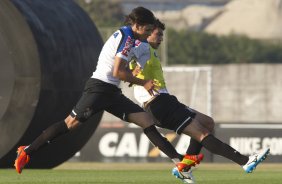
(160, 24)
(141, 16)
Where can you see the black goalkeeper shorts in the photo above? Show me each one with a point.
(169, 113)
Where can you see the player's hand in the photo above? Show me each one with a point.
(150, 87)
(135, 72)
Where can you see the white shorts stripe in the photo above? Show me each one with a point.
(183, 124)
(73, 112)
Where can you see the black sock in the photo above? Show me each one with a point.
(194, 147)
(50, 133)
(215, 146)
(161, 142)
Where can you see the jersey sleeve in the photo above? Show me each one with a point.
(125, 43)
(142, 53)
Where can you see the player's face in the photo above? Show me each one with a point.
(156, 38)
(145, 31)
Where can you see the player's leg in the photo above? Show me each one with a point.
(211, 143)
(204, 120)
(24, 152)
(47, 135)
(214, 145)
(169, 113)
(80, 113)
(52, 132)
(201, 134)
(126, 110)
(143, 120)
(207, 122)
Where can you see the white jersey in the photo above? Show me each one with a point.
(119, 44)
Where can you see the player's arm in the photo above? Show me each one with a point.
(135, 69)
(122, 72)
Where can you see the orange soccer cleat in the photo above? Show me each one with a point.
(21, 160)
(188, 161)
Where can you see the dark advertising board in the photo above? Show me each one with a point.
(128, 144)
(249, 138)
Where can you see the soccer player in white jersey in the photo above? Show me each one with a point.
(102, 92)
(171, 114)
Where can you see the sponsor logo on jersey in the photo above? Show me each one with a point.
(128, 45)
(116, 34)
(137, 43)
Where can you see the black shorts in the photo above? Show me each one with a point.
(169, 113)
(98, 96)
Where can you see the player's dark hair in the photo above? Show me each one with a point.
(160, 24)
(141, 16)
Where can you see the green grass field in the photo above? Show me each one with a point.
(99, 173)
